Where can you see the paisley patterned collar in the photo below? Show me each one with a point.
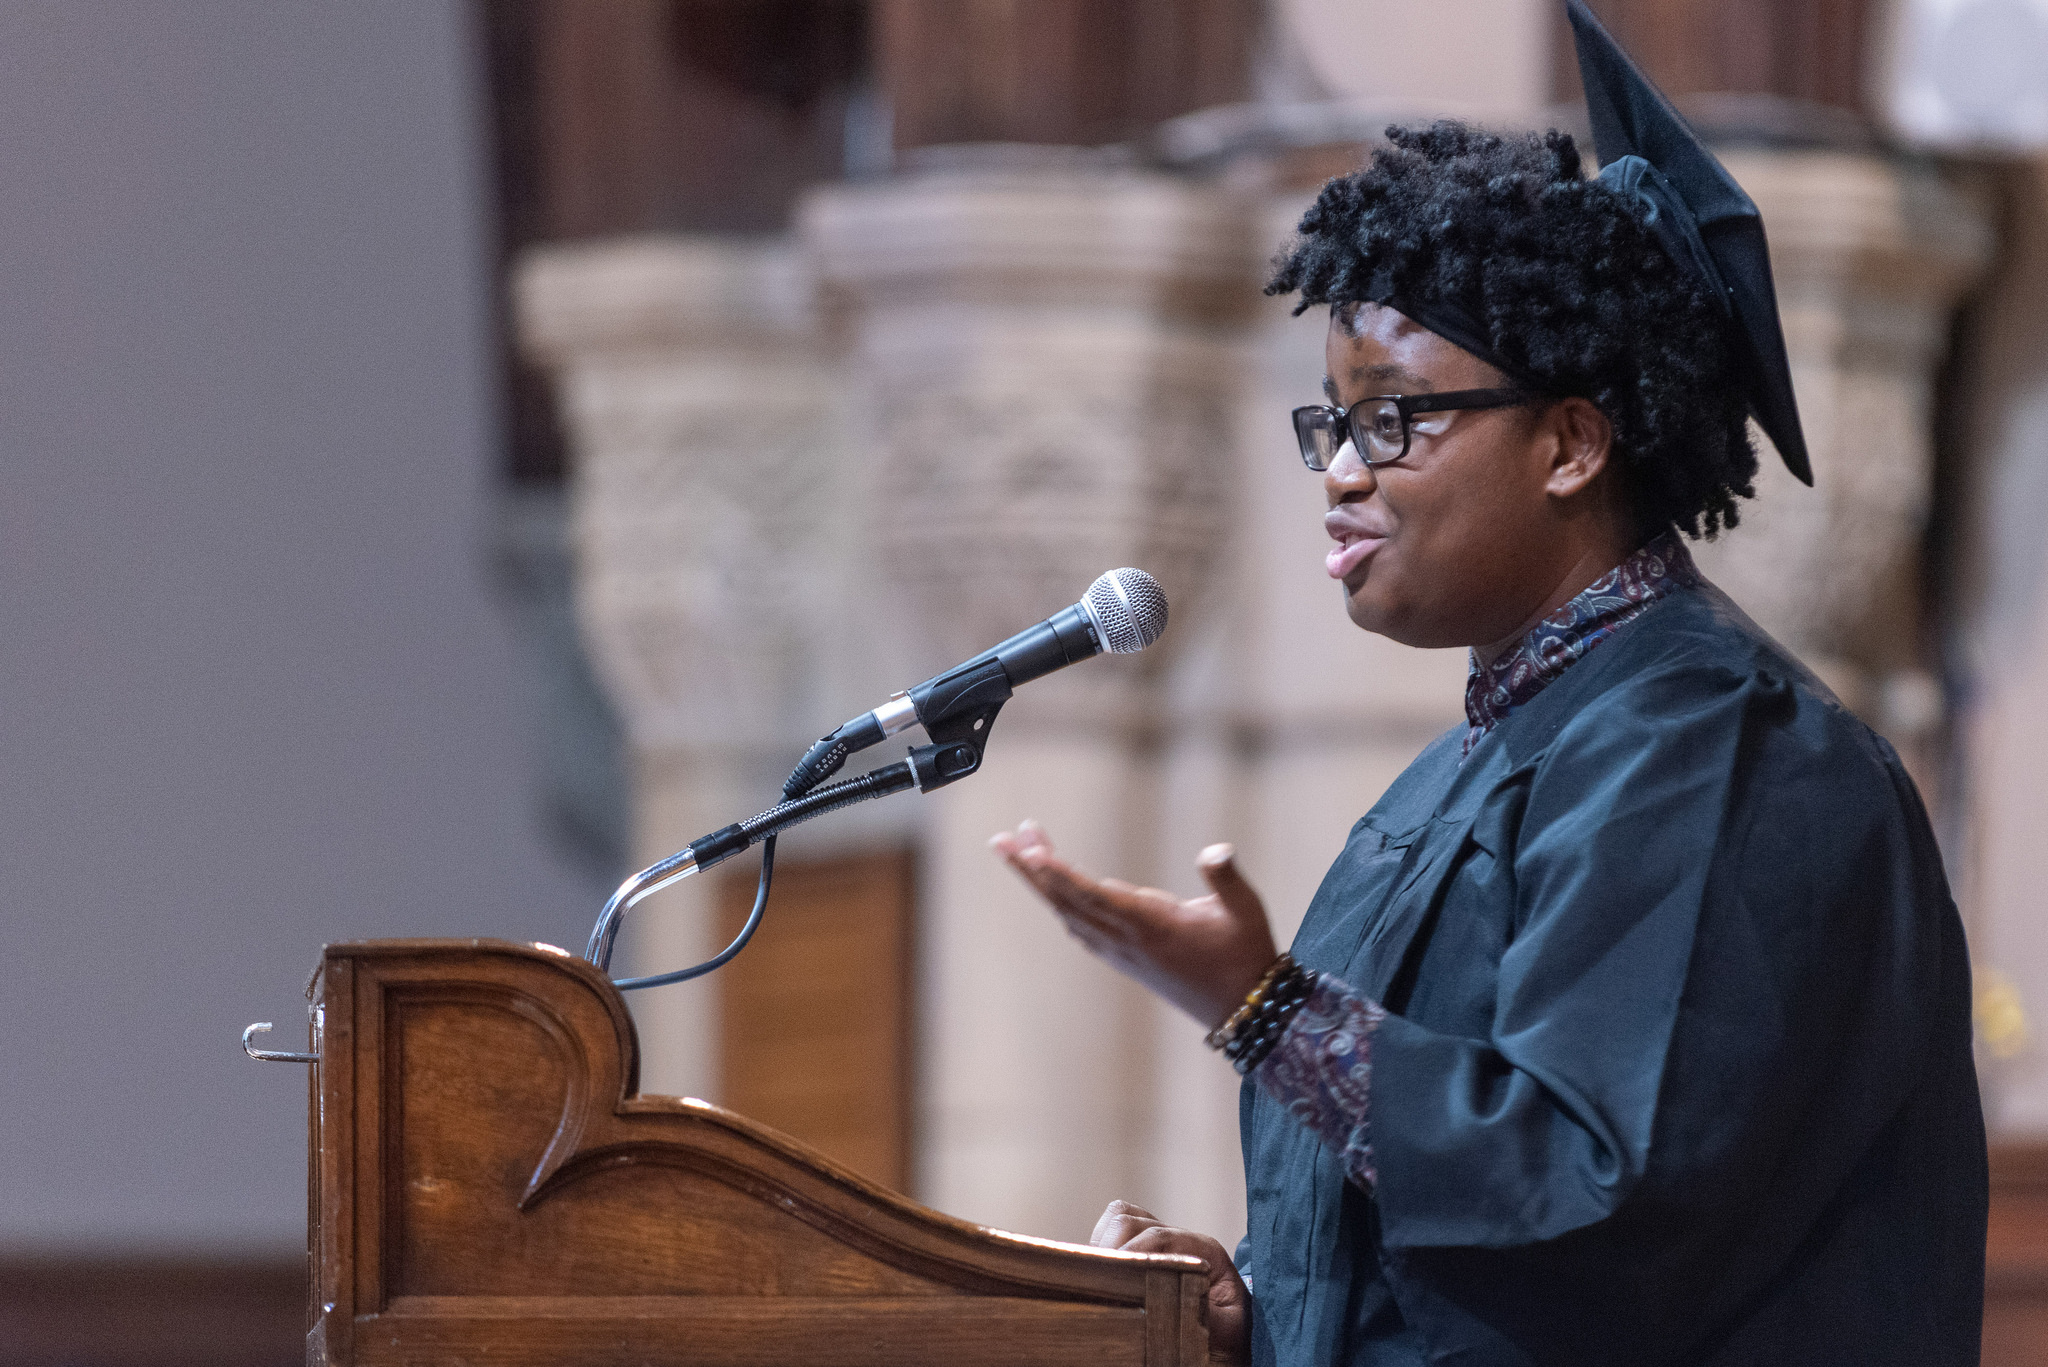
(1617, 597)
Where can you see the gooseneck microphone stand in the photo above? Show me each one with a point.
(961, 712)
(1122, 612)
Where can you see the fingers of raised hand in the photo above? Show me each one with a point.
(1029, 835)
(1218, 865)
(1110, 904)
(1077, 910)
(1028, 852)
(1114, 910)
(1071, 891)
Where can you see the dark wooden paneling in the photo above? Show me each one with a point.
(115, 1312)
(611, 117)
(630, 116)
(816, 1013)
(1080, 72)
(640, 135)
(1797, 49)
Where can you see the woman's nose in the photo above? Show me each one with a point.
(1348, 476)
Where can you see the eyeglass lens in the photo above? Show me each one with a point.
(1320, 432)
(1375, 427)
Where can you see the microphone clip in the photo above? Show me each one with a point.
(957, 710)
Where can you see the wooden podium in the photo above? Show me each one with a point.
(486, 1185)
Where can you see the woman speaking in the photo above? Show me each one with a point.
(1632, 1023)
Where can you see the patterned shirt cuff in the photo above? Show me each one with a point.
(1321, 1071)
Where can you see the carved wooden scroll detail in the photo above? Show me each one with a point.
(487, 1185)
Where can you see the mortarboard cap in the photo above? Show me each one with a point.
(1700, 215)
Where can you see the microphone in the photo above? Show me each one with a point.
(1122, 612)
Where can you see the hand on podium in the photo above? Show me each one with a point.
(1137, 1230)
(1203, 955)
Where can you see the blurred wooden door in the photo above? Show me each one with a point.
(2016, 1258)
(816, 1013)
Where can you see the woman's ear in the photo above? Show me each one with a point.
(1582, 441)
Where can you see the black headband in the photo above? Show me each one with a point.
(1451, 320)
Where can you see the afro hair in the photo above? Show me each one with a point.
(1569, 285)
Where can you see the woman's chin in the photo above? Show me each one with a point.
(1368, 609)
(1374, 596)
(1371, 609)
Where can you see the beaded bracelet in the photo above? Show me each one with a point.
(1255, 1028)
(1223, 1033)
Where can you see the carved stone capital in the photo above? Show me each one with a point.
(1052, 355)
(698, 394)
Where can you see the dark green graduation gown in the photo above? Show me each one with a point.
(1679, 1068)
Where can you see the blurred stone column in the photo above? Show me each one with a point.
(698, 399)
(1997, 562)
(1052, 354)
(1870, 256)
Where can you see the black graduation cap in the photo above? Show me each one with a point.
(1698, 212)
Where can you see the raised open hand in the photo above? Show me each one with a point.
(1203, 955)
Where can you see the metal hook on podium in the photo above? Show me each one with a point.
(272, 1055)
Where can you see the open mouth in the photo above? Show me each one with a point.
(1351, 551)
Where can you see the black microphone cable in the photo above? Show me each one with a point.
(891, 778)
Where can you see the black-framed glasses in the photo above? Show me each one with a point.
(1378, 426)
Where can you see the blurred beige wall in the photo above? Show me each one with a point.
(1487, 59)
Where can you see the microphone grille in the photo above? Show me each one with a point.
(1128, 608)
